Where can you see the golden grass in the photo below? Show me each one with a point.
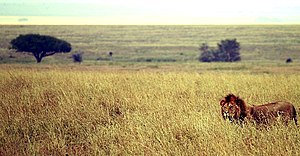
(80, 112)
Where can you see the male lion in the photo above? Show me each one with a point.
(235, 110)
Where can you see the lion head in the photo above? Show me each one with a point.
(230, 109)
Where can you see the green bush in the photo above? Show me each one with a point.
(228, 51)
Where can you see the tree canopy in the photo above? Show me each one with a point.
(40, 45)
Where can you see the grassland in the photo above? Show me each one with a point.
(159, 43)
(132, 106)
(48, 110)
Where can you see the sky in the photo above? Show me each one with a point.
(142, 12)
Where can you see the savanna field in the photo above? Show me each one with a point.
(128, 106)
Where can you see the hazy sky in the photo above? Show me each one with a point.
(149, 12)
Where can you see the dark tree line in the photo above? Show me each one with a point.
(228, 51)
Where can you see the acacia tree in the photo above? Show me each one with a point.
(40, 45)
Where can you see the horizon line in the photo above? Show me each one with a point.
(71, 20)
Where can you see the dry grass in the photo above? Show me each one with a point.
(63, 111)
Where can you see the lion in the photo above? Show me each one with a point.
(235, 110)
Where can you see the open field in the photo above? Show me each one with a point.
(158, 43)
(81, 110)
(153, 98)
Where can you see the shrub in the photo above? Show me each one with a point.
(289, 60)
(77, 57)
(228, 51)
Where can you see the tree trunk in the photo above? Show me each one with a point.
(38, 56)
(38, 60)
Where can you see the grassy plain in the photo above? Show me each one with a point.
(77, 110)
(158, 43)
(154, 98)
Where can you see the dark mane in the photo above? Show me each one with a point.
(241, 103)
(230, 97)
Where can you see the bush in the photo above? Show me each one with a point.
(207, 56)
(77, 57)
(289, 60)
(228, 51)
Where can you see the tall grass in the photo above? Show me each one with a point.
(60, 111)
